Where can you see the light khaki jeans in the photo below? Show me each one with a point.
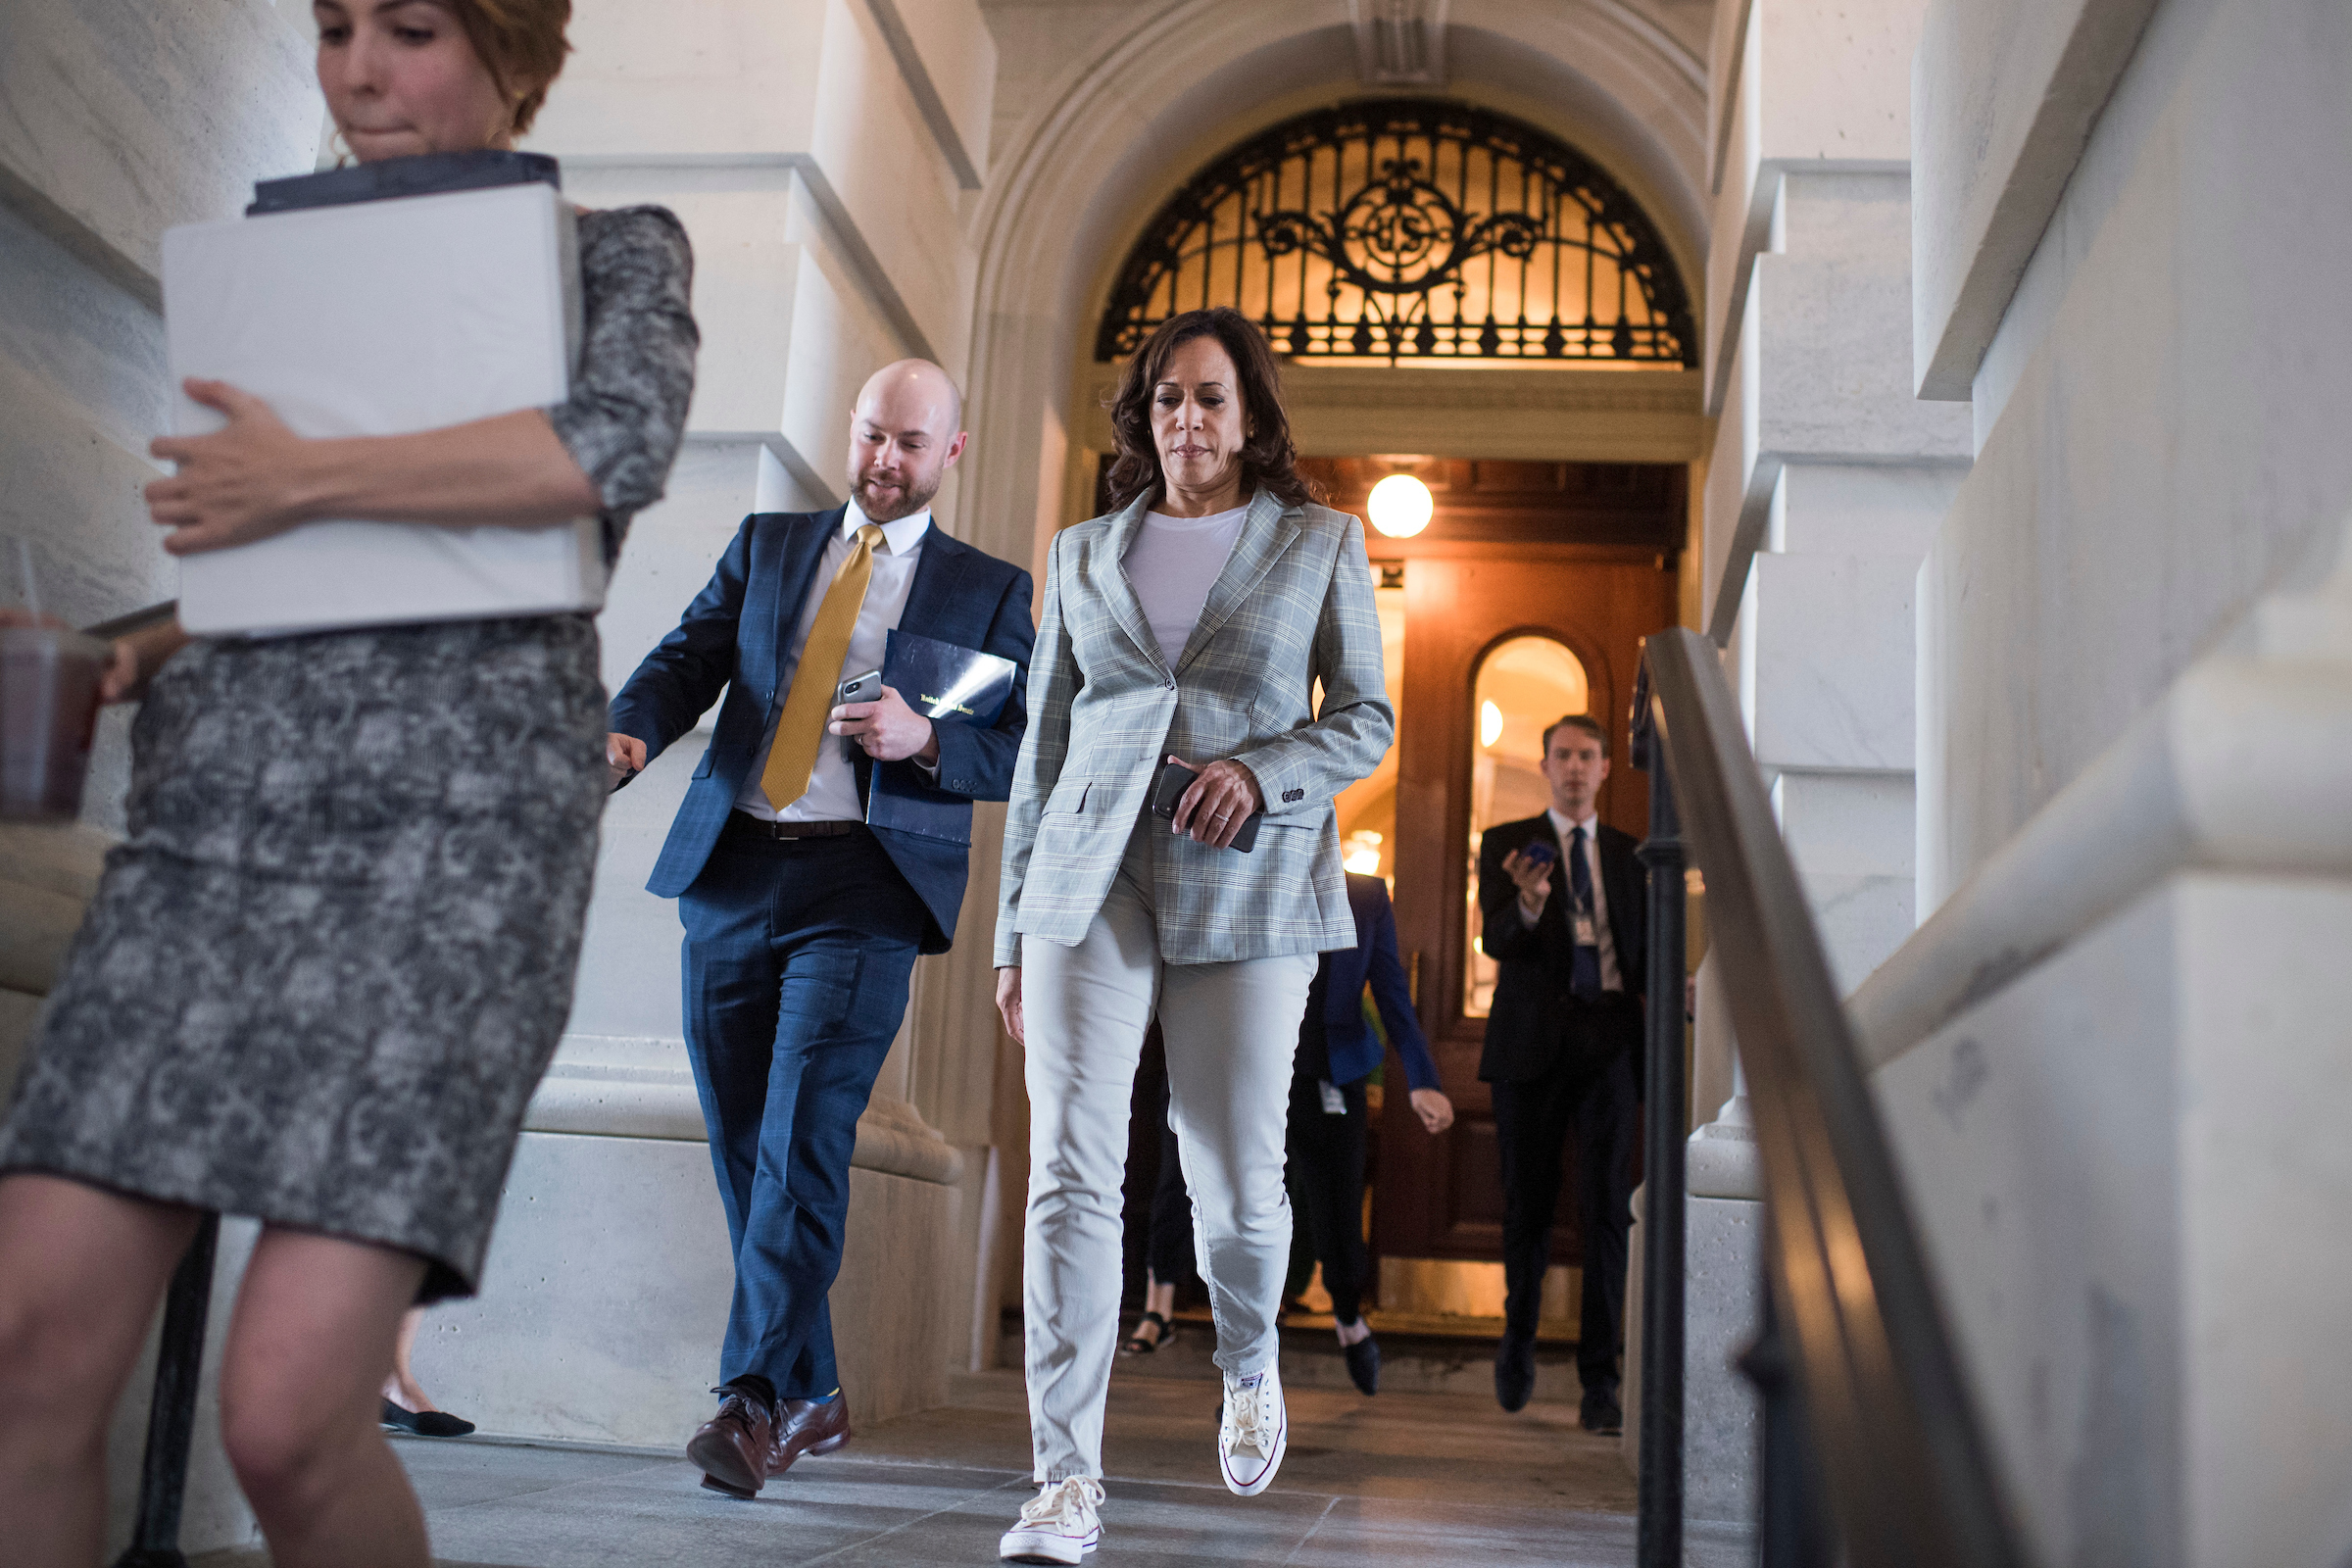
(1231, 1031)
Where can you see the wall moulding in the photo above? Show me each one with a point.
(689, 173)
(2242, 767)
(919, 35)
(603, 1087)
(2004, 96)
(1776, 116)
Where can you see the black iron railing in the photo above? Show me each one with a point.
(1664, 1187)
(1872, 1441)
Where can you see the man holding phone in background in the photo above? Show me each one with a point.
(803, 923)
(1565, 918)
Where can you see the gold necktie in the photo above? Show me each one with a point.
(801, 729)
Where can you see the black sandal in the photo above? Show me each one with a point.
(1137, 1345)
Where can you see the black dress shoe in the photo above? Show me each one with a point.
(1515, 1371)
(1601, 1414)
(424, 1423)
(1363, 1364)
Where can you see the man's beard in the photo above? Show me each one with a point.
(910, 501)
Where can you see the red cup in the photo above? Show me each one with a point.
(48, 712)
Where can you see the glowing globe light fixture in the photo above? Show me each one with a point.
(1490, 723)
(1400, 506)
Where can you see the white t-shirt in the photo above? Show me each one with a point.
(1173, 563)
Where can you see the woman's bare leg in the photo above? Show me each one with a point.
(400, 1386)
(81, 1273)
(308, 1351)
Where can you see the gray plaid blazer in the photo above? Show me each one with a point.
(1293, 605)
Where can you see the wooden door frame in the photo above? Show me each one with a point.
(1421, 1219)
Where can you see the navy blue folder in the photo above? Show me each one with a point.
(948, 685)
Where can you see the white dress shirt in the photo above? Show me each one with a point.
(833, 783)
(1610, 978)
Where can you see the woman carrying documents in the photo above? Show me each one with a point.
(326, 970)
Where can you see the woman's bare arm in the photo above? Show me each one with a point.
(254, 477)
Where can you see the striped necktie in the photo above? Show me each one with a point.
(791, 757)
(1584, 970)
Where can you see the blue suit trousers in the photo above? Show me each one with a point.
(797, 959)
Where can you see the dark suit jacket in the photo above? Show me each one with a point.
(733, 636)
(1355, 1049)
(1534, 1019)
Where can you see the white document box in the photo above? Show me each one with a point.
(382, 318)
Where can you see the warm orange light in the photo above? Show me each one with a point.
(1400, 506)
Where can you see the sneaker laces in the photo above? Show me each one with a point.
(1063, 1504)
(1253, 1416)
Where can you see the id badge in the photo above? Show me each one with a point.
(1334, 1103)
(1586, 937)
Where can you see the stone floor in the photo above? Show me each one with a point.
(1406, 1478)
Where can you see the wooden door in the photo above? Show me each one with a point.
(1585, 554)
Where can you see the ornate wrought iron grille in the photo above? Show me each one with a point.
(1410, 228)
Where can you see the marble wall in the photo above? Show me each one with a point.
(2117, 1164)
(122, 119)
(1828, 477)
(2158, 412)
(2110, 1058)
(1824, 487)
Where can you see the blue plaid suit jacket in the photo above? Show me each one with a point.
(1293, 605)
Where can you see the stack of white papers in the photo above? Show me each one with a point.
(382, 318)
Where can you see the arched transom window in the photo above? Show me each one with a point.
(1410, 228)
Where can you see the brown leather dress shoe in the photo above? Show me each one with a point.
(733, 1446)
(809, 1427)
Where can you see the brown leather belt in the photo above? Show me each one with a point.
(746, 822)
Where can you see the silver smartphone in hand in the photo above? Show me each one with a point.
(865, 688)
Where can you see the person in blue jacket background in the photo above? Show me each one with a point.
(1338, 1051)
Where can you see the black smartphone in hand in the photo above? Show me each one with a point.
(1168, 792)
(1537, 853)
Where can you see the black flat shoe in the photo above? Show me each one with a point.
(424, 1423)
(1363, 1364)
(1514, 1372)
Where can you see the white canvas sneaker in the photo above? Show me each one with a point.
(1255, 1433)
(1057, 1525)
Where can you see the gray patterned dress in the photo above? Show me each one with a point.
(325, 971)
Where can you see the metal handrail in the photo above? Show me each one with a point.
(1883, 1409)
